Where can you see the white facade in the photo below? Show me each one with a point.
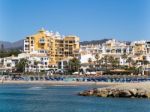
(115, 47)
(90, 49)
(147, 47)
(37, 63)
(9, 63)
(85, 58)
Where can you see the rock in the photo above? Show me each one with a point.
(128, 91)
(91, 92)
(147, 94)
(141, 93)
(124, 93)
(88, 93)
(115, 93)
(103, 93)
(98, 90)
(95, 91)
(133, 92)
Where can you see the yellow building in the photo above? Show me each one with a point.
(52, 44)
(139, 48)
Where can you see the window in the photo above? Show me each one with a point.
(8, 64)
(26, 45)
(32, 42)
(32, 37)
(70, 42)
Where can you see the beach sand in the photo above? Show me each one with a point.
(58, 82)
(145, 84)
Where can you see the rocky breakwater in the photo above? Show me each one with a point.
(138, 90)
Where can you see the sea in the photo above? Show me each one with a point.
(58, 98)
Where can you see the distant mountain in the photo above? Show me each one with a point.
(11, 45)
(19, 44)
(94, 42)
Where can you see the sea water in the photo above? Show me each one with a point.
(46, 98)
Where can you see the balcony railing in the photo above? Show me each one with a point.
(42, 41)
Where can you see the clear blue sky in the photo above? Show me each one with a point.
(88, 19)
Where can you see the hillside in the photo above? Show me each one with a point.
(94, 42)
(19, 44)
(11, 45)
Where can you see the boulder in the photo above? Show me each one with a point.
(133, 91)
(115, 93)
(129, 91)
(124, 93)
(87, 93)
(141, 93)
(147, 94)
(103, 93)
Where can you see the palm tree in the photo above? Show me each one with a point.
(114, 62)
(74, 65)
(21, 65)
(90, 63)
(28, 65)
(117, 62)
(97, 60)
(36, 65)
(100, 61)
(106, 61)
(139, 69)
(130, 61)
(124, 56)
(111, 60)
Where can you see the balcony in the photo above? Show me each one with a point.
(42, 41)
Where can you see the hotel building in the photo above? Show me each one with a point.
(52, 45)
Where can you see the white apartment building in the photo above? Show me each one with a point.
(91, 49)
(115, 47)
(9, 63)
(37, 63)
(147, 45)
(136, 49)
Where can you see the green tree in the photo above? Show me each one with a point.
(90, 64)
(139, 69)
(110, 59)
(20, 66)
(105, 58)
(7, 53)
(97, 60)
(114, 62)
(124, 56)
(36, 65)
(74, 65)
(130, 61)
(100, 61)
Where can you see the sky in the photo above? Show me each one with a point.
(125, 20)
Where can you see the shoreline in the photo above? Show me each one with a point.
(71, 83)
(60, 83)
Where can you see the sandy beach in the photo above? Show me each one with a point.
(145, 84)
(59, 83)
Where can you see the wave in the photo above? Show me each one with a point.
(64, 85)
(36, 88)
